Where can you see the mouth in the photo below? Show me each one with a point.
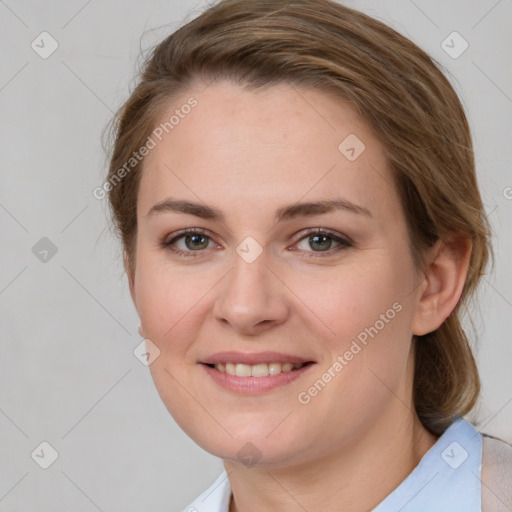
(254, 373)
(257, 370)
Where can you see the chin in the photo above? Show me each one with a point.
(250, 444)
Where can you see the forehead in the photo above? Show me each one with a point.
(254, 147)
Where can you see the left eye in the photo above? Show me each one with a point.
(322, 241)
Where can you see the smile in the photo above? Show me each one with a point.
(254, 373)
(256, 370)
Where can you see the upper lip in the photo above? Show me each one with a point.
(253, 358)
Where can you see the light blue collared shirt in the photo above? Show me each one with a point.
(447, 479)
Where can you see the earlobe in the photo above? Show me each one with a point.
(444, 278)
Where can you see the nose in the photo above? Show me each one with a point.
(252, 298)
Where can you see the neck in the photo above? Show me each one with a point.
(359, 476)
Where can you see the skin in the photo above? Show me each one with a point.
(248, 153)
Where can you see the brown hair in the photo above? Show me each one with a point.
(394, 85)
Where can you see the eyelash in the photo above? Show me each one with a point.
(343, 241)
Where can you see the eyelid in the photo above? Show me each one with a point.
(329, 232)
(179, 234)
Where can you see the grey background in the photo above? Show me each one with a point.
(68, 374)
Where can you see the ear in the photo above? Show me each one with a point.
(444, 277)
(130, 275)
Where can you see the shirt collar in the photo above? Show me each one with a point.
(447, 478)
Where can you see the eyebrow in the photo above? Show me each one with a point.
(285, 213)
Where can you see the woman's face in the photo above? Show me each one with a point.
(297, 256)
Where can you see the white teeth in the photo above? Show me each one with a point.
(274, 368)
(243, 370)
(256, 370)
(259, 370)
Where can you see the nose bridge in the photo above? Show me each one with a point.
(250, 296)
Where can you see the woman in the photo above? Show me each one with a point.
(294, 187)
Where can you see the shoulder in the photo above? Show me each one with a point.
(496, 475)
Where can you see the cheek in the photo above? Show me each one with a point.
(353, 299)
(169, 304)
(364, 315)
(168, 299)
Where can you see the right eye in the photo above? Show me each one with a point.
(193, 241)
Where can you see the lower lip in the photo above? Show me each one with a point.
(254, 385)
